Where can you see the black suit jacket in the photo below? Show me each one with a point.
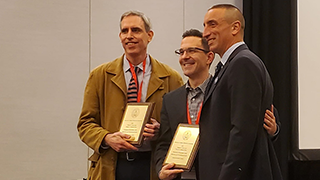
(233, 142)
(173, 112)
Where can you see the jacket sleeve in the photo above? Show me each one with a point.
(89, 125)
(276, 114)
(165, 138)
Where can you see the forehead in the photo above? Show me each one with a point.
(191, 41)
(216, 15)
(132, 21)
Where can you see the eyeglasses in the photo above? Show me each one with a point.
(190, 50)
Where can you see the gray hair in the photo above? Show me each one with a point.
(146, 20)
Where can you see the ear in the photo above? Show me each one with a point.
(236, 27)
(150, 34)
(210, 57)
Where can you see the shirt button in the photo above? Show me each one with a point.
(192, 99)
(192, 116)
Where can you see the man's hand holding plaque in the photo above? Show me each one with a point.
(134, 122)
(117, 142)
(151, 130)
(167, 172)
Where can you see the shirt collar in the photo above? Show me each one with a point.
(227, 54)
(202, 86)
(126, 65)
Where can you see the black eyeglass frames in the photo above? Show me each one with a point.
(190, 50)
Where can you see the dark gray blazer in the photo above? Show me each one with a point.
(174, 111)
(233, 142)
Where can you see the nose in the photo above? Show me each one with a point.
(206, 32)
(129, 34)
(183, 58)
(184, 55)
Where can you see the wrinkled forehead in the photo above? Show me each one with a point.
(132, 21)
(216, 14)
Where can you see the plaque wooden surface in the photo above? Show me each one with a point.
(184, 146)
(135, 117)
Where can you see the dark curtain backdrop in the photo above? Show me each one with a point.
(268, 34)
(271, 32)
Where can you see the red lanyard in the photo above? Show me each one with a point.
(199, 113)
(135, 78)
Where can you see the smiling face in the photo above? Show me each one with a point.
(134, 37)
(217, 30)
(222, 29)
(195, 63)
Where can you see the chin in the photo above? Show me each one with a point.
(187, 73)
(132, 53)
(212, 47)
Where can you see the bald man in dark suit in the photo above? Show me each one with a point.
(233, 143)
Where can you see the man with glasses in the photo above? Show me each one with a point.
(195, 59)
(133, 77)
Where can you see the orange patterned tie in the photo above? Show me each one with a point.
(133, 88)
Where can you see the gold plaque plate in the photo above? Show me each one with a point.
(135, 117)
(184, 146)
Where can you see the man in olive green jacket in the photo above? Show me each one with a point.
(105, 99)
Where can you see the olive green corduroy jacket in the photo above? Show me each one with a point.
(104, 102)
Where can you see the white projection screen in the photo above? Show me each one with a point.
(308, 48)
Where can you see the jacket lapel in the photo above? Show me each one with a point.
(181, 105)
(157, 74)
(212, 85)
(116, 68)
(184, 108)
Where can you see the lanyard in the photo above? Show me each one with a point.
(199, 113)
(135, 78)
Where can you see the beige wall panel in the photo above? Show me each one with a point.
(43, 68)
(308, 74)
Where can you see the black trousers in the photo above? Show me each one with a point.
(133, 166)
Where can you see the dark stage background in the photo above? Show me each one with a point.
(271, 32)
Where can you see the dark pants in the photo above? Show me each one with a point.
(133, 166)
